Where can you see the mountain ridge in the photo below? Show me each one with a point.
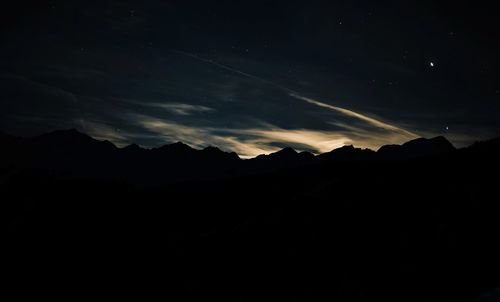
(76, 136)
(79, 154)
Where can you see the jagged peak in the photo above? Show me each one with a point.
(388, 147)
(306, 154)
(234, 155)
(108, 143)
(441, 140)
(133, 147)
(350, 147)
(68, 132)
(72, 135)
(175, 145)
(213, 149)
(178, 147)
(286, 150)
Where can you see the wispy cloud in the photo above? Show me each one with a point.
(200, 137)
(314, 140)
(248, 142)
(367, 137)
(362, 117)
(182, 109)
(102, 131)
(175, 108)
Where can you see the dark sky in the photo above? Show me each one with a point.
(252, 76)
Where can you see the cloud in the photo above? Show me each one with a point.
(248, 138)
(314, 140)
(248, 142)
(363, 137)
(103, 131)
(200, 137)
(182, 109)
(175, 108)
(350, 113)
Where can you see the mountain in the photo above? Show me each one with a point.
(285, 158)
(417, 148)
(75, 154)
(416, 222)
(78, 155)
(347, 153)
(133, 148)
(176, 149)
(490, 147)
(216, 154)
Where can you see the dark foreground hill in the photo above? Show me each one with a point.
(416, 222)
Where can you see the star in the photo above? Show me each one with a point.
(447, 128)
(432, 64)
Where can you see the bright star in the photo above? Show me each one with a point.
(432, 64)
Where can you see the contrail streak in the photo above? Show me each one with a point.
(233, 70)
(294, 94)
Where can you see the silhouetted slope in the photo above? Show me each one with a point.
(347, 153)
(78, 155)
(485, 148)
(420, 147)
(344, 226)
(133, 150)
(286, 158)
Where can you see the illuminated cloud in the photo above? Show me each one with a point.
(367, 137)
(314, 140)
(200, 137)
(246, 142)
(356, 115)
(102, 131)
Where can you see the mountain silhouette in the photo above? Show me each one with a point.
(420, 147)
(348, 153)
(79, 155)
(411, 222)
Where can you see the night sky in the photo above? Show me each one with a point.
(251, 76)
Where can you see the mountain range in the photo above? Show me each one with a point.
(75, 154)
(416, 222)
